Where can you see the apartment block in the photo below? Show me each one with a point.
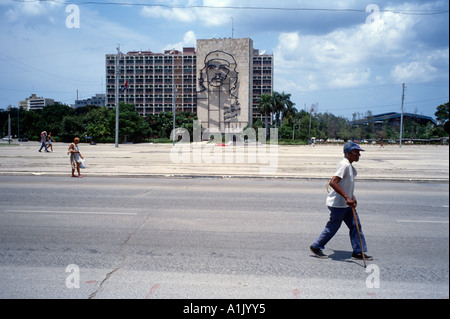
(151, 77)
(262, 78)
(35, 103)
(97, 100)
(222, 94)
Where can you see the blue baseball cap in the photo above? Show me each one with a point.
(351, 146)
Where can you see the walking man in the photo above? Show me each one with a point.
(340, 202)
(43, 141)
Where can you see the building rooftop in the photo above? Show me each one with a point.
(394, 116)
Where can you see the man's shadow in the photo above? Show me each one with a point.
(342, 255)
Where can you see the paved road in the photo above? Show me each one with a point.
(215, 238)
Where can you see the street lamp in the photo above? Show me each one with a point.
(9, 128)
(117, 96)
(174, 107)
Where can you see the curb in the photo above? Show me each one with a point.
(211, 176)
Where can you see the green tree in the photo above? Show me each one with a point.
(71, 126)
(52, 117)
(289, 110)
(265, 102)
(132, 126)
(186, 120)
(161, 124)
(100, 124)
(277, 107)
(442, 115)
(285, 132)
(344, 132)
(164, 124)
(281, 102)
(29, 124)
(370, 128)
(302, 127)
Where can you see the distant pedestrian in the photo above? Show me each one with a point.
(50, 141)
(75, 156)
(340, 202)
(43, 141)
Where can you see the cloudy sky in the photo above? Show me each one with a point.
(337, 54)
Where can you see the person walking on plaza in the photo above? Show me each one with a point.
(43, 141)
(50, 141)
(75, 156)
(341, 201)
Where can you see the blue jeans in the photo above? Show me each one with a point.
(337, 216)
(42, 146)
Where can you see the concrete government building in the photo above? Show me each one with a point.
(220, 82)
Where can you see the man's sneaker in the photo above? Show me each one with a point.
(359, 256)
(318, 252)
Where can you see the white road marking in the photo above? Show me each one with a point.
(64, 212)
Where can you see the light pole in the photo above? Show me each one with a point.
(18, 122)
(174, 107)
(310, 115)
(117, 95)
(9, 128)
(401, 117)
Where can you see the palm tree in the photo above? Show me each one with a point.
(277, 107)
(265, 107)
(282, 102)
(289, 110)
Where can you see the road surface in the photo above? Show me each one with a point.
(153, 238)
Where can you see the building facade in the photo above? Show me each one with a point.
(151, 77)
(35, 103)
(221, 81)
(262, 79)
(97, 100)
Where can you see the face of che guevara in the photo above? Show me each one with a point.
(217, 71)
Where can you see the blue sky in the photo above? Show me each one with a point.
(326, 52)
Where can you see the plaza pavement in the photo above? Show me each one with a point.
(427, 163)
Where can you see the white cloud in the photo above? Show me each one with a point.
(413, 72)
(423, 68)
(204, 15)
(349, 79)
(343, 58)
(42, 55)
(189, 40)
(175, 14)
(28, 9)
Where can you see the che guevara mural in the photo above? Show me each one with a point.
(222, 99)
(218, 81)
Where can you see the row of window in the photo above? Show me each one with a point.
(190, 98)
(158, 106)
(153, 111)
(150, 60)
(151, 67)
(157, 71)
(258, 72)
(156, 95)
(151, 76)
(262, 62)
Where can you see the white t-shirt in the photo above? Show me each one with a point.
(347, 173)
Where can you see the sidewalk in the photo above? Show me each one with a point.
(409, 163)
